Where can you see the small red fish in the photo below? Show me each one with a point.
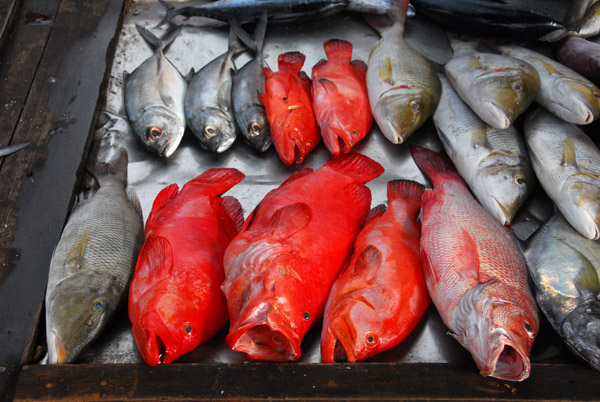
(288, 104)
(381, 295)
(175, 300)
(340, 98)
(280, 268)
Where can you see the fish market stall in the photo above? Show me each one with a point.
(75, 113)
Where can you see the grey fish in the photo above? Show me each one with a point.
(497, 88)
(248, 82)
(564, 92)
(582, 55)
(493, 162)
(208, 109)
(154, 95)
(92, 264)
(10, 149)
(565, 269)
(567, 164)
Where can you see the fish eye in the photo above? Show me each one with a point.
(371, 339)
(517, 87)
(256, 128)
(529, 329)
(188, 329)
(416, 105)
(285, 98)
(519, 179)
(98, 306)
(354, 132)
(210, 131)
(154, 132)
(306, 315)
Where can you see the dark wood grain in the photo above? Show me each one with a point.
(8, 9)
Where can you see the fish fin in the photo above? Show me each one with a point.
(470, 258)
(260, 31)
(249, 220)
(428, 270)
(569, 157)
(360, 70)
(290, 219)
(172, 12)
(361, 201)
(480, 138)
(148, 36)
(409, 191)
(305, 81)
(268, 73)
(549, 67)
(235, 45)
(189, 75)
(214, 182)
(296, 175)
(357, 166)
(374, 213)
(395, 16)
(318, 66)
(230, 213)
(330, 86)
(291, 61)
(170, 37)
(431, 163)
(76, 252)
(135, 201)
(338, 49)
(587, 281)
(116, 168)
(164, 196)
(154, 264)
(240, 32)
(428, 195)
(369, 261)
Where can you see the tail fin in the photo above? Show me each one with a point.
(215, 182)
(154, 41)
(432, 164)
(235, 45)
(338, 49)
(172, 12)
(355, 165)
(291, 61)
(231, 215)
(409, 192)
(117, 168)
(396, 16)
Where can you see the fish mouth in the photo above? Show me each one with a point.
(56, 350)
(508, 362)
(152, 346)
(336, 140)
(501, 213)
(342, 333)
(498, 118)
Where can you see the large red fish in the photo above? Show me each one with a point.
(279, 269)
(175, 300)
(475, 273)
(288, 104)
(340, 98)
(381, 295)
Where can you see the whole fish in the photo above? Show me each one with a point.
(567, 164)
(381, 295)
(280, 268)
(175, 300)
(92, 264)
(581, 55)
(340, 98)
(10, 149)
(493, 162)
(564, 92)
(565, 270)
(497, 88)
(248, 82)
(475, 274)
(287, 100)
(154, 95)
(403, 88)
(208, 109)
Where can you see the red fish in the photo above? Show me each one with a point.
(475, 273)
(279, 269)
(340, 98)
(381, 295)
(175, 300)
(288, 104)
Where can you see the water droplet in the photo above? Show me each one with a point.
(52, 80)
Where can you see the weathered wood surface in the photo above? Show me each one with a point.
(8, 8)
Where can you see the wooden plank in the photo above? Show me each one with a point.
(8, 9)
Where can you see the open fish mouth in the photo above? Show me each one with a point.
(501, 213)
(152, 346)
(508, 362)
(344, 341)
(56, 351)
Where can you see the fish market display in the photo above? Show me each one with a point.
(208, 109)
(288, 102)
(567, 164)
(175, 300)
(280, 268)
(10, 149)
(92, 264)
(340, 99)
(154, 95)
(565, 267)
(403, 89)
(564, 92)
(493, 162)
(248, 82)
(581, 55)
(497, 88)
(381, 295)
(475, 274)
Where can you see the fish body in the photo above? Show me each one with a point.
(590, 23)
(10, 149)
(340, 98)
(475, 274)
(565, 270)
(175, 300)
(567, 164)
(288, 102)
(92, 264)
(497, 88)
(403, 88)
(564, 92)
(581, 55)
(380, 296)
(154, 95)
(493, 162)
(280, 268)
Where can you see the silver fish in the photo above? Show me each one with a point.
(565, 270)
(4, 151)
(590, 22)
(494, 163)
(564, 92)
(403, 88)
(92, 264)
(498, 88)
(208, 109)
(154, 95)
(567, 164)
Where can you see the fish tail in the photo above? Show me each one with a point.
(235, 45)
(396, 16)
(215, 182)
(172, 12)
(154, 41)
(355, 165)
(291, 61)
(116, 169)
(260, 31)
(338, 49)
(409, 191)
(431, 163)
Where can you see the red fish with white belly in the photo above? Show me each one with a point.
(175, 300)
(280, 268)
(475, 274)
(381, 295)
(288, 103)
(340, 98)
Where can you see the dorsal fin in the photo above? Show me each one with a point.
(154, 264)
(355, 165)
(230, 213)
(360, 70)
(214, 182)
(297, 175)
(163, 197)
(374, 213)
(569, 156)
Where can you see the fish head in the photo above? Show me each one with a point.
(581, 331)
(296, 138)
(576, 101)
(214, 129)
(343, 125)
(255, 126)
(583, 208)
(159, 129)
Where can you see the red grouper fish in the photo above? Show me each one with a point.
(475, 274)
(340, 98)
(175, 300)
(288, 104)
(381, 295)
(280, 268)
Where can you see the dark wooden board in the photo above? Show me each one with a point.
(8, 9)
